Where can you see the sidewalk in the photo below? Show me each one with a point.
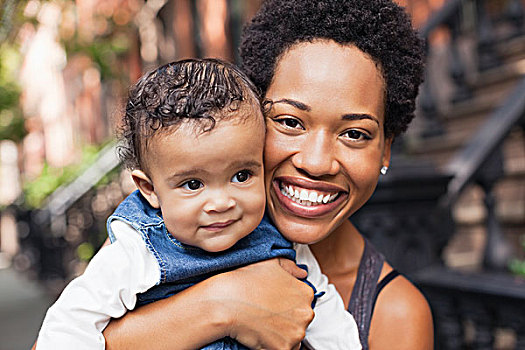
(23, 304)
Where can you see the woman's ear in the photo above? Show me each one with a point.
(145, 186)
(387, 151)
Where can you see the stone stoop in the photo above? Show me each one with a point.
(460, 122)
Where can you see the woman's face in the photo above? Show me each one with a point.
(325, 143)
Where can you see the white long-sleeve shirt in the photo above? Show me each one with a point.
(118, 272)
(332, 327)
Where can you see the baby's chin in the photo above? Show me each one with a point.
(216, 248)
(224, 241)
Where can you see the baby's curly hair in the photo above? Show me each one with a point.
(380, 28)
(201, 91)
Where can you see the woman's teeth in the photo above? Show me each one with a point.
(305, 197)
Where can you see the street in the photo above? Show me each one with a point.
(23, 304)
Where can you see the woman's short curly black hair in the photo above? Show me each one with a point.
(380, 28)
(200, 91)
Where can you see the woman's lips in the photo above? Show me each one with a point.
(218, 226)
(307, 184)
(308, 207)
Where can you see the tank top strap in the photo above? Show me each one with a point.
(363, 295)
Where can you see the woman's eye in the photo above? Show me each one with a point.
(241, 176)
(289, 123)
(192, 185)
(356, 135)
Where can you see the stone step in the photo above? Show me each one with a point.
(484, 85)
(467, 246)
(512, 49)
(441, 149)
(499, 77)
(459, 122)
(510, 204)
(481, 104)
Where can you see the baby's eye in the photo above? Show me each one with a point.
(192, 185)
(356, 135)
(291, 123)
(242, 176)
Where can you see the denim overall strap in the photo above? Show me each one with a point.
(137, 212)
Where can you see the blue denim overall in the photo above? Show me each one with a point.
(182, 266)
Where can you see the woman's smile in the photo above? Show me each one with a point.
(306, 198)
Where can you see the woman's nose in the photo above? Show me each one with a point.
(219, 201)
(317, 155)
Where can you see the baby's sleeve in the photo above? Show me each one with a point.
(107, 289)
(333, 328)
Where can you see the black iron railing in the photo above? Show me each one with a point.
(54, 209)
(57, 239)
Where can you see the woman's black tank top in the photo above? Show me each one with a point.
(366, 290)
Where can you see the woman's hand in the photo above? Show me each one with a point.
(271, 308)
(260, 305)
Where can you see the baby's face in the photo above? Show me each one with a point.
(210, 185)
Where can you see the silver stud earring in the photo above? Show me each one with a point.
(384, 169)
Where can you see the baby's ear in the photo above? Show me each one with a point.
(145, 186)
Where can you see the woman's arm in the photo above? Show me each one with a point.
(402, 318)
(260, 305)
(188, 320)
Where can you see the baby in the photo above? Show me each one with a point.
(193, 136)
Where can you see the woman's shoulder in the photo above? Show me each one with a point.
(402, 318)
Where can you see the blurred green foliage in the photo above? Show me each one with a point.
(10, 17)
(517, 266)
(105, 52)
(85, 251)
(11, 119)
(37, 190)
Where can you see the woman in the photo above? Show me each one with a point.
(340, 80)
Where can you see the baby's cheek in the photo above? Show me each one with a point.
(256, 205)
(182, 217)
